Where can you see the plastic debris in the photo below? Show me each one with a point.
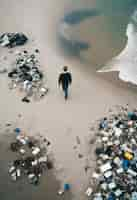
(105, 167)
(36, 150)
(28, 77)
(60, 192)
(66, 187)
(115, 176)
(32, 159)
(13, 39)
(89, 192)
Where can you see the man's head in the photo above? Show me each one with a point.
(65, 68)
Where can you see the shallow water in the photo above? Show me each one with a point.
(126, 62)
(101, 31)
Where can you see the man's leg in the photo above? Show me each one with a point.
(66, 92)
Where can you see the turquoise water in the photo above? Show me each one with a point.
(96, 32)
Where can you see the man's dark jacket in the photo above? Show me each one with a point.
(65, 79)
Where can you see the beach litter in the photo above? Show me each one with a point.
(27, 76)
(65, 188)
(115, 175)
(13, 39)
(31, 158)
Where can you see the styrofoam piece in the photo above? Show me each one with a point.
(104, 139)
(104, 186)
(110, 143)
(131, 172)
(35, 151)
(118, 132)
(89, 191)
(117, 161)
(131, 130)
(21, 139)
(105, 167)
(14, 176)
(34, 163)
(105, 157)
(12, 168)
(60, 192)
(120, 170)
(108, 174)
(18, 172)
(95, 175)
(30, 176)
(118, 192)
(22, 151)
(117, 142)
(43, 159)
(112, 185)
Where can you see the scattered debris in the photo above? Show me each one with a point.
(27, 76)
(64, 189)
(115, 176)
(80, 155)
(32, 159)
(13, 39)
(89, 192)
(25, 99)
(60, 192)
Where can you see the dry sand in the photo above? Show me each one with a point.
(91, 96)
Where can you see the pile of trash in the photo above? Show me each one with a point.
(32, 158)
(13, 39)
(27, 76)
(115, 176)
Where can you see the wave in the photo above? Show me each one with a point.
(126, 62)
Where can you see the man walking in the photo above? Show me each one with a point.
(65, 79)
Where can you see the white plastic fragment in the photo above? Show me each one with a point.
(105, 157)
(108, 174)
(14, 176)
(22, 151)
(34, 163)
(104, 186)
(22, 140)
(105, 139)
(117, 161)
(131, 172)
(118, 192)
(30, 176)
(43, 159)
(95, 175)
(118, 132)
(89, 191)
(18, 173)
(105, 167)
(112, 185)
(120, 170)
(12, 168)
(60, 192)
(36, 150)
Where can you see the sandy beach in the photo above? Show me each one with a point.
(91, 96)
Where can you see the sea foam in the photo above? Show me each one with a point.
(126, 62)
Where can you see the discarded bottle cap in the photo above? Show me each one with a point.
(17, 131)
(66, 186)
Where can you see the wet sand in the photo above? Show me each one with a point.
(90, 96)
